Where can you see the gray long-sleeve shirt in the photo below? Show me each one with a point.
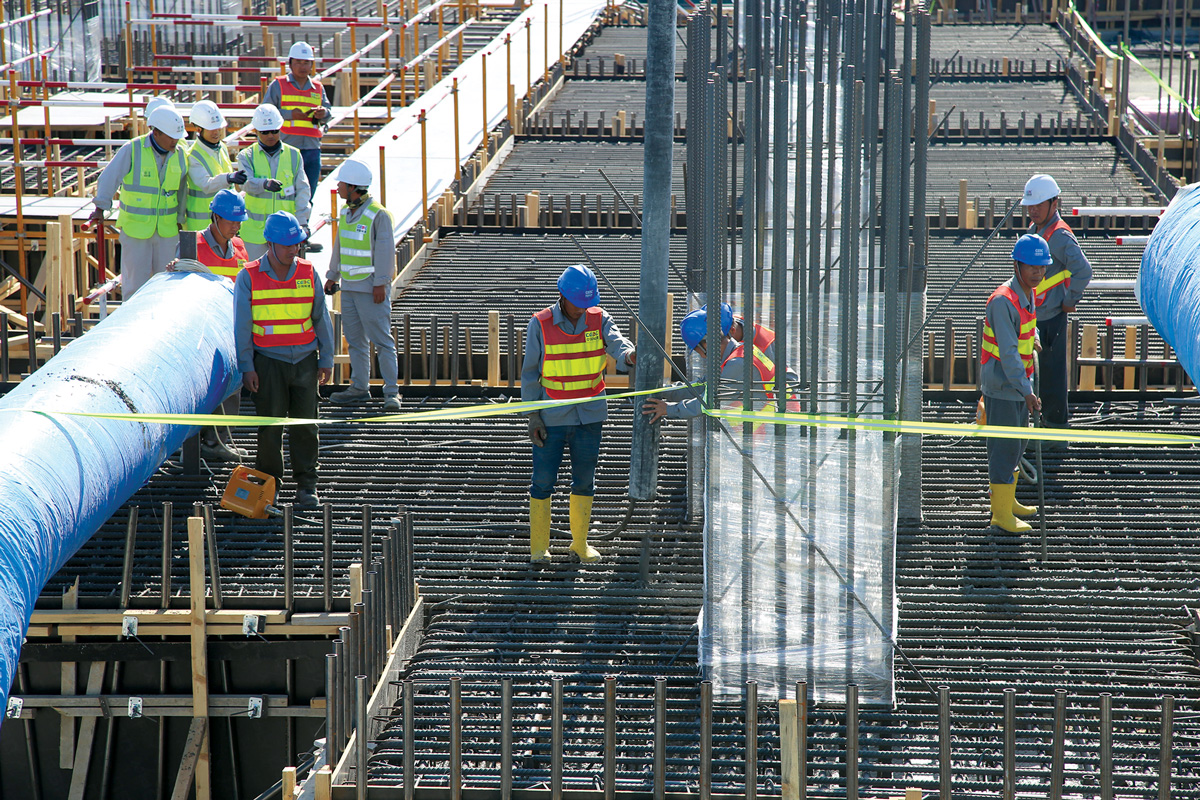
(1067, 254)
(113, 175)
(254, 184)
(732, 369)
(615, 344)
(1005, 379)
(275, 97)
(292, 354)
(383, 250)
(198, 174)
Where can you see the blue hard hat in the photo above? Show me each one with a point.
(283, 228)
(726, 318)
(1032, 249)
(228, 204)
(693, 328)
(578, 284)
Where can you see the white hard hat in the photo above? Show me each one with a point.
(205, 114)
(302, 51)
(266, 118)
(167, 120)
(157, 102)
(355, 173)
(1039, 189)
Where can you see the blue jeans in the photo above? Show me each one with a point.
(312, 167)
(584, 443)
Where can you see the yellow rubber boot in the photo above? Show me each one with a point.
(1018, 508)
(581, 520)
(539, 529)
(1002, 514)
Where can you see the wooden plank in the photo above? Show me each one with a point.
(157, 616)
(87, 733)
(68, 679)
(1087, 375)
(356, 586)
(493, 349)
(323, 784)
(289, 783)
(199, 656)
(789, 731)
(197, 735)
(70, 285)
(51, 270)
(1131, 338)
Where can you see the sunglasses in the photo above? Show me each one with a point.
(268, 133)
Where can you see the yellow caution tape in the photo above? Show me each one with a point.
(437, 415)
(955, 429)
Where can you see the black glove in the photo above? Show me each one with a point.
(537, 429)
(237, 177)
(272, 185)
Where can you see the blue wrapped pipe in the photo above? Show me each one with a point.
(1168, 283)
(170, 349)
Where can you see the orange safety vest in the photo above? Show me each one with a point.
(293, 98)
(281, 311)
(573, 364)
(225, 267)
(1063, 276)
(764, 337)
(1024, 336)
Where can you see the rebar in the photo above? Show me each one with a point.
(362, 736)
(1009, 787)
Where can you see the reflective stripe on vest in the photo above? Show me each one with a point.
(293, 98)
(1062, 276)
(226, 267)
(354, 243)
(284, 170)
(215, 162)
(573, 364)
(1024, 336)
(281, 311)
(150, 203)
(764, 366)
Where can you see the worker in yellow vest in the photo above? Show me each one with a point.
(150, 172)
(276, 180)
(1006, 375)
(209, 167)
(301, 100)
(363, 265)
(284, 350)
(565, 349)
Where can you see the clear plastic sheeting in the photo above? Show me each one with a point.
(798, 564)
(1168, 282)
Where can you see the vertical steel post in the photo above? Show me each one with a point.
(410, 768)
(1058, 746)
(127, 562)
(1165, 733)
(660, 738)
(945, 776)
(1106, 745)
(656, 235)
(1009, 782)
(506, 738)
(289, 568)
(851, 742)
(332, 745)
(610, 738)
(362, 733)
(706, 743)
(456, 738)
(751, 790)
(556, 738)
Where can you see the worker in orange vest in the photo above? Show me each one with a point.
(764, 337)
(566, 346)
(1006, 376)
(301, 99)
(284, 350)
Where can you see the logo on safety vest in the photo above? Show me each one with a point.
(361, 228)
(592, 337)
(303, 283)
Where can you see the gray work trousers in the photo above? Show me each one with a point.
(1005, 454)
(143, 258)
(365, 322)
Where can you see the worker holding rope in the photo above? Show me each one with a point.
(565, 349)
(1006, 377)
(1057, 295)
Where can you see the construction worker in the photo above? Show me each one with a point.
(150, 173)
(284, 350)
(209, 167)
(1057, 296)
(220, 249)
(301, 99)
(363, 264)
(693, 329)
(276, 180)
(565, 348)
(1006, 377)
(764, 337)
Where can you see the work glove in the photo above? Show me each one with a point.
(272, 185)
(537, 429)
(237, 176)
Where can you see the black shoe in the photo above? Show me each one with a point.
(307, 498)
(315, 247)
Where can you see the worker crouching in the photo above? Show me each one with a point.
(565, 349)
(1009, 340)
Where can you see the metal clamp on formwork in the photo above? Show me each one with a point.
(134, 708)
(15, 705)
(254, 708)
(129, 629)
(253, 625)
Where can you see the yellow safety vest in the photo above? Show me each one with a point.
(259, 208)
(215, 162)
(150, 203)
(354, 243)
